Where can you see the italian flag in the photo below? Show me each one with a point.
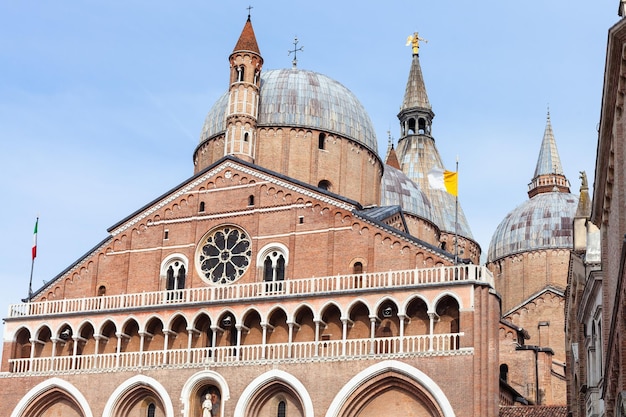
(35, 239)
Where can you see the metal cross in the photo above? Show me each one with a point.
(295, 52)
(249, 8)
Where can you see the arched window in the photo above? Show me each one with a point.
(176, 276)
(246, 137)
(421, 126)
(411, 126)
(504, 372)
(282, 409)
(324, 185)
(357, 268)
(201, 210)
(174, 273)
(274, 271)
(102, 290)
(321, 142)
(251, 200)
(240, 73)
(151, 412)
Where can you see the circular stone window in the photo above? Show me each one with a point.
(224, 255)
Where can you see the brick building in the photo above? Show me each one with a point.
(295, 273)
(597, 386)
(529, 257)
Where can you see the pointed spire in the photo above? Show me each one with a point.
(247, 39)
(415, 93)
(549, 161)
(549, 174)
(392, 158)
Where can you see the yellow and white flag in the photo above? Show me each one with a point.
(440, 179)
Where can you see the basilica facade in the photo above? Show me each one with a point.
(295, 273)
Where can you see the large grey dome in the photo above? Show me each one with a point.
(545, 221)
(398, 189)
(295, 97)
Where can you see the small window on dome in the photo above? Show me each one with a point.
(324, 185)
(321, 143)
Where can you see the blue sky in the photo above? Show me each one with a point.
(102, 103)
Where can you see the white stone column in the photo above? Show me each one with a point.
(433, 317)
(401, 317)
(344, 335)
(317, 337)
(214, 330)
(290, 339)
(373, 320)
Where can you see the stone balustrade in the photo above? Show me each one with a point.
(253, 291)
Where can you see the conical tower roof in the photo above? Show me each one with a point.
(247, 39)
(549, 174)
(418, 154)
(545, 220)
(415, 95)
(548, 161)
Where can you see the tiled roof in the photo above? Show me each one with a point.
(545, 221)
(533, 411)
(247, 39)
(415, 93)
(549, 161)
(295, 97)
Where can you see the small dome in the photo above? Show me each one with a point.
(398, 189)
(543, 222)
(299, 98)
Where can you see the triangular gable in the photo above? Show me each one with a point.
(221, 167)
(225, 163)
(533, 297)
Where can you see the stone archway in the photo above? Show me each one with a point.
(136, 395)
(272, 390)
(390, 388)
(51, 398)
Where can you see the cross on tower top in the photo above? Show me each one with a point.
(295, 52)
(249, 8)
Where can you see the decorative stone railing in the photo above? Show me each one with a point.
(328, 350)
(259, 290)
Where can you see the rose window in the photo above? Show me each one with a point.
(224, 255)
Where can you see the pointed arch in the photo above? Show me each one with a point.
(21, 343)
(196, 383)
(131, 392)
(357, 388)
(304, 320)
(265, 382)
(46, 392)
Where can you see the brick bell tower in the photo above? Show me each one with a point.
(243, 101)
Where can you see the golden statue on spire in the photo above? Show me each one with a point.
(414, 40)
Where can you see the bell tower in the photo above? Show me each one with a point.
(243, 96)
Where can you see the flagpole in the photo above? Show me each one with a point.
(32, 263)
(456, 217)
(30, 283)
